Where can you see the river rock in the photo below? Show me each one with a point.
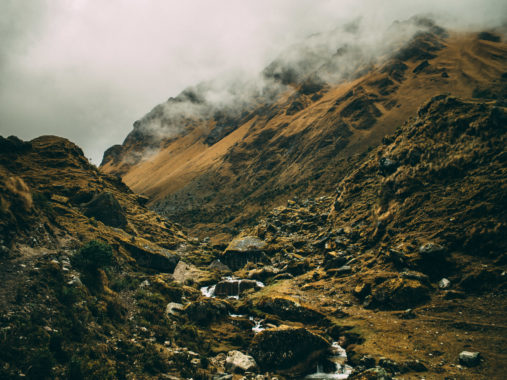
(469, 359)
(239, 362)
(285, 347)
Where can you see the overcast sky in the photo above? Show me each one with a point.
(87, 69)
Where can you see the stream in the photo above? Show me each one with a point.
(338, 357)
(230, 287)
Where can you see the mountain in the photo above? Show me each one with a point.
(221, 172)
(350, 228)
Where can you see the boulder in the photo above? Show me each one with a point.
(399, 293)
(469, 359)
(289, 310)
(184, 273)
(207, 310)
(263, 273)
(106, 208)
(284, 347)
(161, 260)
(240, 251)
(238, 362)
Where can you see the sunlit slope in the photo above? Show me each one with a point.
(300, 140)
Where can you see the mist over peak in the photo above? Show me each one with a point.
(86, 70)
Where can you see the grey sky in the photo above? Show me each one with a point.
(87, 69)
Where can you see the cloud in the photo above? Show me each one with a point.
(86, 70)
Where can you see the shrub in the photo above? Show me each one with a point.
(93, 255)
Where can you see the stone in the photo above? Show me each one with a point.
(415, 365)
(238, 362)
(431, 250)
(285, 347)
(240, 251)
(444, 283)
(376, 373)
(106, 208)
(173, 308)
(187, 272)
(367, 361)
(218, 266)
(207, 310)
(263, 273)
(389, 365)
(163, 260)
(469, 358)
(235, 287)
(289, 310)
(387, 165)
(399, 293)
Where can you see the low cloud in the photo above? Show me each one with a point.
(86, 70)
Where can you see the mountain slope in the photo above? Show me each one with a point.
(301, 141)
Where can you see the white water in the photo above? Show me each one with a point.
(258, 325)
(209, 291)
(342, 371)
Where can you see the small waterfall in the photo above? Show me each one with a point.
(342, 370)
(230, 287)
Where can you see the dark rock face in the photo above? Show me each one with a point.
(105, 207)
(280, 349)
